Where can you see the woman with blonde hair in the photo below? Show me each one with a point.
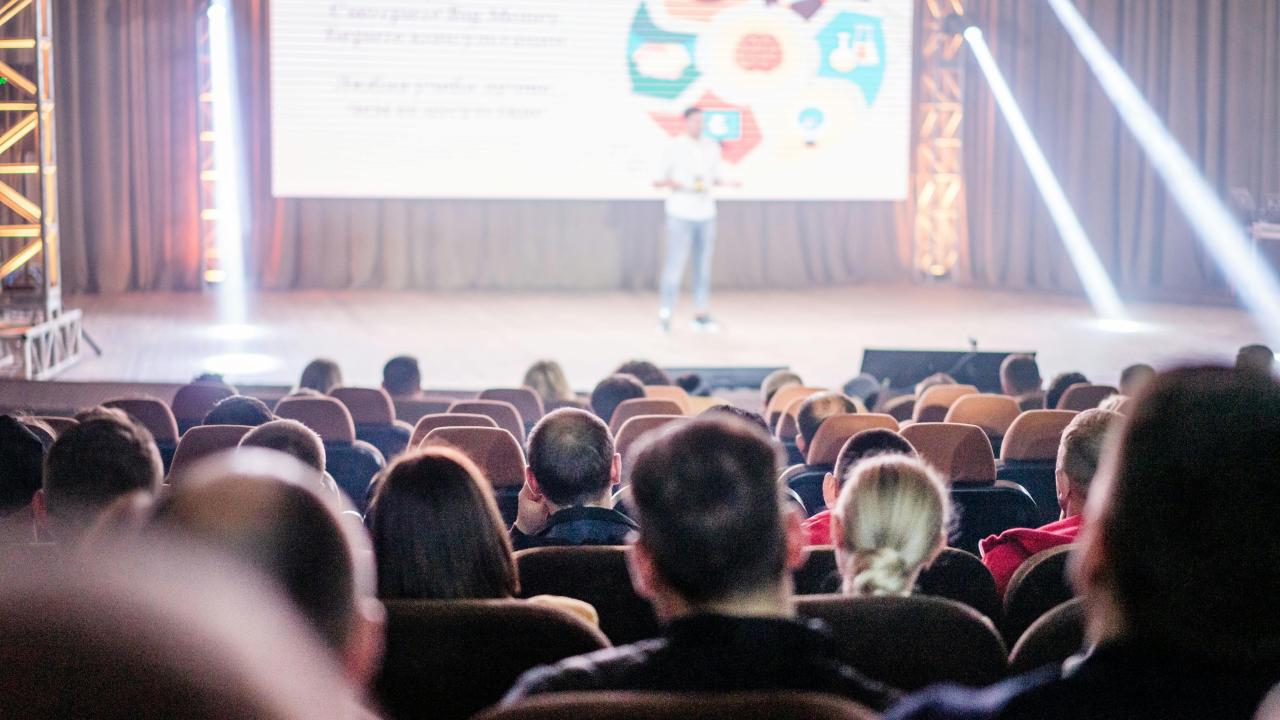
(890, 523)
(547, 378)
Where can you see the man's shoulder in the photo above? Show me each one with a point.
(607, 669)
(1025, 696)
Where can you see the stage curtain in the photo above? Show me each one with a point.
(126, 73)
(1210, 68)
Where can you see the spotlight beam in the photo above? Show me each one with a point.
(1093, 276)
(1212, 222)
(227, 193)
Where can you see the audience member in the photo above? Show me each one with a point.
(817, 408)
(21, 465)
(1058, 387)
(934, 379)
(865, 388)
(239, 410)
(612, 392)
(890, 522)
(90, 465)
(691, 383)
(866, 444)
(1079, 454)
(644, 371)
(547, 378)
(297, 441)
(714, 555)
(753, 418)
(1020, 379)
(321, 375)
(1177, 567)
(1134, 378)
(1258, 358)
(1115, 403)
(775, 381)
(567, 495)
(402, 378)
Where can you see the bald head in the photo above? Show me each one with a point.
(819, 407)
(571, 455)
(291, 438)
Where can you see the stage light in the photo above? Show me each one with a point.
(1208, 216)
(228, 190)
(1093, 276)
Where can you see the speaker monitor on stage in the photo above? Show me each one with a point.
(904, 368)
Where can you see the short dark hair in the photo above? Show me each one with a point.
(571, 456)
(691, 111)
(710, 510)
(1190, 519)
(1138, 374)
(1255, 357)
(644, 371)
(819, 407)
(753, 418)
(1058, 387)
(284, 530)
(612, 392)
(239, 410)
(1021, 373)
(291, 438)
(321, 375)
(401, 376)
(106, 456)
(868, 444)
(21, 464)
(437, 534)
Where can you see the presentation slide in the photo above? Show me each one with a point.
(578, 99)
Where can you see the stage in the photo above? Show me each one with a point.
(474, 340)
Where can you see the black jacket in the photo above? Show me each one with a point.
(579, 526)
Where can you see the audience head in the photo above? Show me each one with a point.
(90, 465)
(1019, 375)
(1258, 358)
(1058, 387)
(752, 418)
(689, 382)
(572, 460)
(644, 371)
(239, 410)
(264, 509)
(934, 379)
(815, 409)
(321, 375)
(889, 523)
(775, 381)
(863, 445)
(714, 531)
(1134, 378)
(612, 392)
(1079, 453)
(865, 387)
(437, 534)
(291, 438)
(401, 377)
(547, 378)
(1180, 538)
(21, 465)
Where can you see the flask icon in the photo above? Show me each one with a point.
(843, 58)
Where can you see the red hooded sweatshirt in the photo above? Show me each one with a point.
(1003, 553)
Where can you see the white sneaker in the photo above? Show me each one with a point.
(664, 323)
(705, 324)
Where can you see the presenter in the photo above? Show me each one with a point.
(690, 170)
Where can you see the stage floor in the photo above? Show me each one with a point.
(478, 340)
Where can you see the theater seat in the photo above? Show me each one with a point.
(594, 574)
(375, 418)
(449, 659)
(192, 402)
(526, 402)
(427, 423)
(937, 400)
(783, 398)
(202, 441)
(806, 480)
(901, 408)
(628, 409)
(156, 417)
(1039, 585)
(1029, 457)
(912, 642)
(1085, 396)
(59, 425)
(498, 455)
(503, 413)
(410, 410)
(670, 392)
(352, 462)
(672, 706)
(1051, 639)
(632, 431)
(993, 413)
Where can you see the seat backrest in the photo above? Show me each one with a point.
(993, 413)
(192, 402)
(669, 392)
(836, 430)
(494, 450)
(677, 706)
(152, 414)
(502, 412)
(1085, 396)
(783, 398)
(962, 453)
(202, 441)
(628, 409)
(984, 510)
(59, 425)
(912, 642)
(1035, 435)
(940, 396)
(788, 424)
(411, 410)
(901, 408)
(368, 406)
(1039, 585)
(635, 428)
(594, 574)
(526, 402)
(1054, 637)
(450, 659)
(961, 576)
(325, 415)
(430, 422)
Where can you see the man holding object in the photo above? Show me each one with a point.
(691, 168)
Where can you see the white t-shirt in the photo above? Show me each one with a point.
(695, 165)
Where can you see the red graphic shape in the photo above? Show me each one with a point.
(732, 151)
(758, 52)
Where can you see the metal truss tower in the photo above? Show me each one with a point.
(941, 229)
